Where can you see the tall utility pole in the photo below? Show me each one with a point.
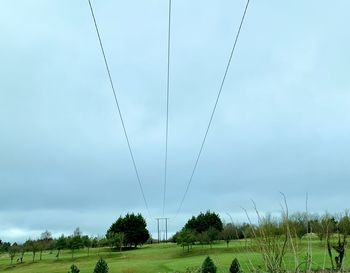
(166, 228)
(158, 230)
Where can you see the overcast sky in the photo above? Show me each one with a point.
(282, 123)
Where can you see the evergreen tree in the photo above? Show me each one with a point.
(186, 238)
(101, 266)
(74, 269)
(208, 266)
(133, 228)
(61, 243)
(203, 222)
(235, 266)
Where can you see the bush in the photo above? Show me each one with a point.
(101, 266)
(74, 269)
(235, 266)
(208, 266)
(193, 270)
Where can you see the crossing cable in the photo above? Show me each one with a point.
(167, 110)
(118, 107)
(214, 109)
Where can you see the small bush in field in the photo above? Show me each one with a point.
(74, 269)
(101, 266)
(235, 266)
(208, 266)
(192, 270)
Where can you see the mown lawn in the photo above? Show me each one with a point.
(160, 258)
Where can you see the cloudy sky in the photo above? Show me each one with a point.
(282, 123)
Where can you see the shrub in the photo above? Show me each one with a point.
(192, 270)
(74, 269)
(101, 266)
(208, 266)
(235, 266)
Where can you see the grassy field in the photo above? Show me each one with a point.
(159, 258)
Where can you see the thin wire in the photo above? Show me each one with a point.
(119, 110)
(167, 111)
(214, 109)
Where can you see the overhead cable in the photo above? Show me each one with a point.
(118, 107)
(167, 110)
(214, 109)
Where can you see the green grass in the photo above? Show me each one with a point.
(158, 258)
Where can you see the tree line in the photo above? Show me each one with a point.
(130, 231)
(206, 228)
(271, 236)
(126, 232)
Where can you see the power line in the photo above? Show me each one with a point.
(214, 109)
(117, 104)
(167, 110)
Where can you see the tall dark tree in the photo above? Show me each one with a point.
(133, 227)
(203, 222)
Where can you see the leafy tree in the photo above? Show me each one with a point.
(235, 266)
(208, 266)
(344, 224)
(61, 243)
(74, 269)
(328, 225)
(173, 238)
(186, 238)
(21, 250)
(229, 233)
(12, 250)
(94, 242)
(206, 226)
(204, 221)
(315, 226)
(245, 231)
(101, 242)
(75, 241)
(77, 232)
(44, 243)
(331, 226)
(213, 234)
(133, 227)
(4, 246)
(116, 239)
(101, 266)
(297, 225)
(33, 246)
(203, 237)
(87, 242)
